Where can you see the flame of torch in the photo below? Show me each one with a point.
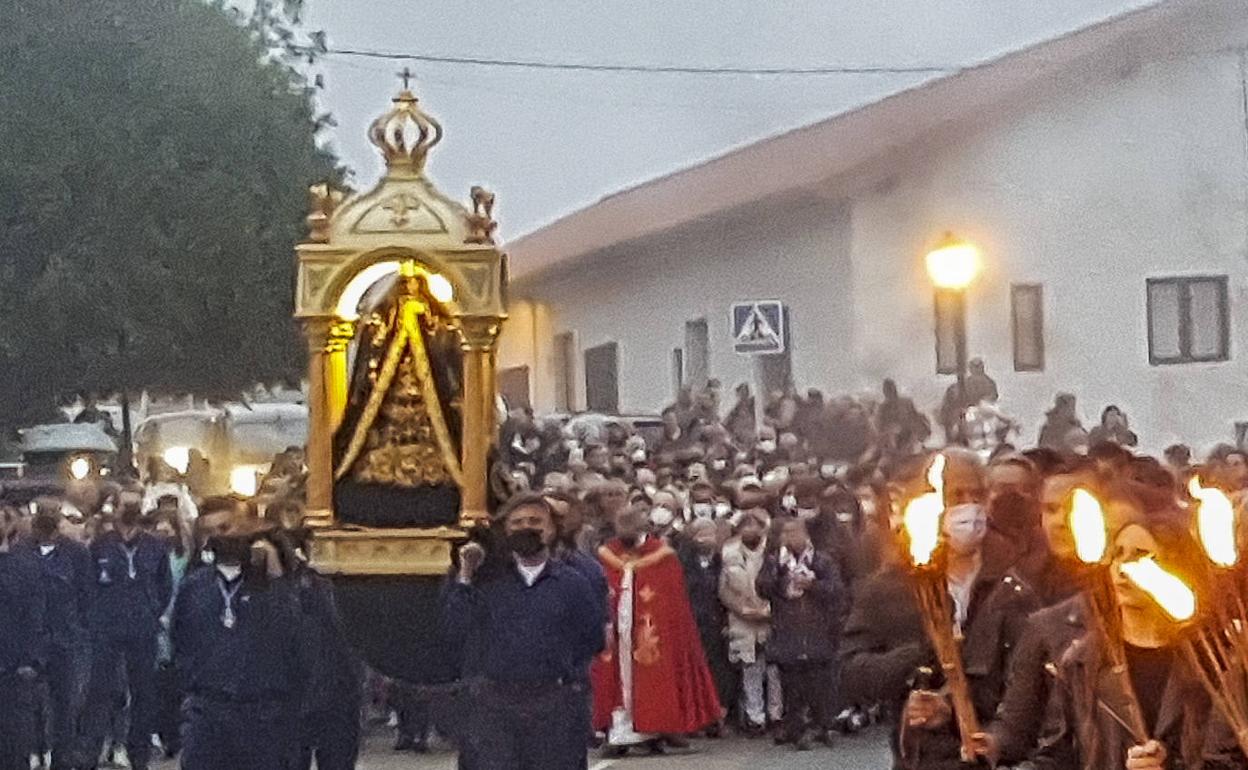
(1215, 522)
(1170, 592)
(1087, 524)
(922, 515)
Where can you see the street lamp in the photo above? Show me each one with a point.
(952, 266)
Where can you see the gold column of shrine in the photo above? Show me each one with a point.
(352, 244)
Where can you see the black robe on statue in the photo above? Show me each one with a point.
(400, 475)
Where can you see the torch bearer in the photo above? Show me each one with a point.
(922, 524)
(1087, 524)
(1218, 651)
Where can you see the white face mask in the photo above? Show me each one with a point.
(703, 510)
(206, 556)
(788, 502)
(230, 572)
(827, 471)
(844, 517)
(661, 517)
(807, 513)
(767, 447)
(965, 527)
(722, 510)
(719, 465)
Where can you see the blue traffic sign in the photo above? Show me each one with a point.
(758, 327)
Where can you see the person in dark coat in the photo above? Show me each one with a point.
(330, 719)
(900, 427)
(1016, 732)
(700, 558)
(133, 586)
(805, 590)
(1113, 429)
(885, 655)
(570, 520)
(528, 628)
(68, 586)
(1059, 423)
(22, 642)
(1015, 539)
(741, 419)
(241, 656)
(1077, 712)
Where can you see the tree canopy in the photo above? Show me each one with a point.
(153, 183)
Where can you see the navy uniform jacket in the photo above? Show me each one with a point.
(69, 585)
(591, 569)
(129, 607)
(22, 629)
(337, 675)
(260, 660)
(517, 633)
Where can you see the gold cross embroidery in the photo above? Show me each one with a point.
(646, 643)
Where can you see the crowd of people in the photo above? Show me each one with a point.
(791, 614)
(136, 620)
(739, 572)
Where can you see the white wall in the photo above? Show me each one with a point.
(641, 297)
(1088, 189)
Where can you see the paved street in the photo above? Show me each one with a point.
(865, 752)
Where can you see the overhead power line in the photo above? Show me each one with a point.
(636, 68)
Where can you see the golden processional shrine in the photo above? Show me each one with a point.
(401, 294)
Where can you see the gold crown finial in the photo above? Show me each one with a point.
(405, 134)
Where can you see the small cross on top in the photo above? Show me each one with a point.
(407, 76)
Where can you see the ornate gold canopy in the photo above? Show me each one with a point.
(403, 223)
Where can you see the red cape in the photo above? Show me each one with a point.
(673, 691)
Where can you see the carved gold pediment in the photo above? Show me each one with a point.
(401, 212)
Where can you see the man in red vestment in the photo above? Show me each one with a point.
(652, 680)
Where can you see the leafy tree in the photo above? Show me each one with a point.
(153, 183)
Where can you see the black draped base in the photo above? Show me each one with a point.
(395, 625)
(380, 505)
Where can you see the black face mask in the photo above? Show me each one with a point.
(525, 543)
(1014, 511)
(230, 550)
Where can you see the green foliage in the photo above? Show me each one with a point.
(153, 183)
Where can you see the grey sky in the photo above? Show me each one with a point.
(549, 142)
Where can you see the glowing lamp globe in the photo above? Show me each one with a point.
(954, 263)
(79, 468)
(178, 458)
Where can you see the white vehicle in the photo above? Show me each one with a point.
(238, 441)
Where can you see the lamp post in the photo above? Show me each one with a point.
(953, 266)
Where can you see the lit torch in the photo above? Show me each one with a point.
(1215, 522)
(921, 521)
(1167, 589)
(1087, 524)
(922, 516)
(1218, 651)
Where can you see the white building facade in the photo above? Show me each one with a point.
(1104, 175)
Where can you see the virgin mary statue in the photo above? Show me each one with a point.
(396, 452)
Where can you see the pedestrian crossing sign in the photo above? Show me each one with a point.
(758, 327)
